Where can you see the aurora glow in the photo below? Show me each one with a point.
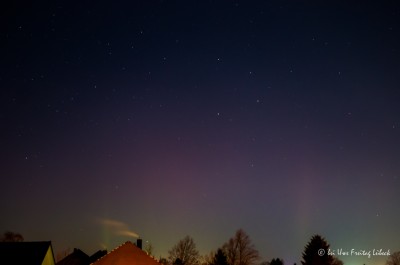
(199, 118)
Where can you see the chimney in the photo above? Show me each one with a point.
(139, 243)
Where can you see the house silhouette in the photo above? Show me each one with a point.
(32, 253)
(127, 254)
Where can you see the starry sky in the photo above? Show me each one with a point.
(173, 118)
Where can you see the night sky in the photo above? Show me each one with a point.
(173, 118)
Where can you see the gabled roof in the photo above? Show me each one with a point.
(78, 257)
(32, 253)
(97, 255)
(127, 254)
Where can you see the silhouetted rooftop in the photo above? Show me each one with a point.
(78, 257)
(31, 253)
(127, 253)
(97, 255)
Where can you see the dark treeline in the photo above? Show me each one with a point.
(238, 250)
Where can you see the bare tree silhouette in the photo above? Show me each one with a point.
(240, 251)
(394, 259)
(184, 253)
(12, 237)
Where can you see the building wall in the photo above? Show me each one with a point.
(49, 258)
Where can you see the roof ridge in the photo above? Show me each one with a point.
(125, 252)
(114, 249)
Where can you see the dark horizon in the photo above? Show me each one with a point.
(382, 255)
